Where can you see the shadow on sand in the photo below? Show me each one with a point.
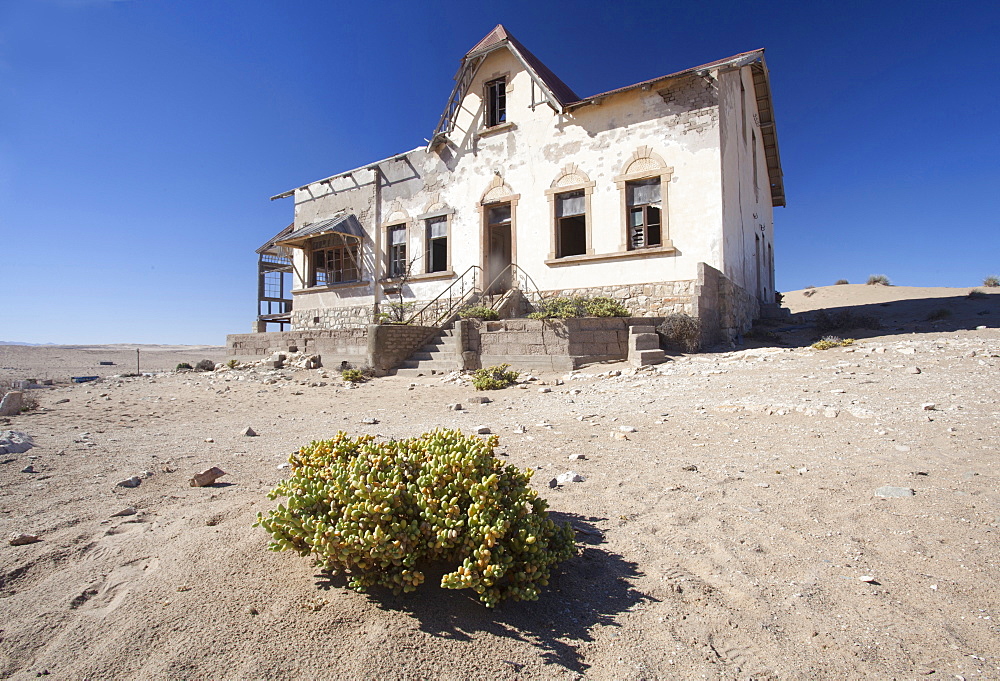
(584, 592)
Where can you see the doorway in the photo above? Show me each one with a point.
(499, 253)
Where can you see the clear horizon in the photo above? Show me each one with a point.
(141, 140)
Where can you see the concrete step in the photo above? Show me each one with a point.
(641, 358)
(422, 355)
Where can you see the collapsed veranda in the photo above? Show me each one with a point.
(659, 194)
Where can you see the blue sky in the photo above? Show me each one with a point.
(140, 140)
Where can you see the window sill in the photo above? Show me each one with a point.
(496, 129)
(395, 281)
(331, 287)
(664, 249)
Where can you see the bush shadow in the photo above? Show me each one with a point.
(587, 591)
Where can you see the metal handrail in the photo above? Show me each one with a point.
(454, 298)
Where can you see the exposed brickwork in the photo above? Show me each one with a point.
(390, 344)
(693, 105)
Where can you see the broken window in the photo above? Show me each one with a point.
(642, 198)
(437, 244)
(397, 250)
(496, 102)
(334, 261)
(571, 224)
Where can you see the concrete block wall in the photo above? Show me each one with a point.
(725, 309)
(390, 344)
(333, 346)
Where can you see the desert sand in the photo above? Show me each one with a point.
(729, 525)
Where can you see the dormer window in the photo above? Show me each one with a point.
(496, 102)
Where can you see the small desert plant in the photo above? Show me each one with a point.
(778, 297)
(394, 313)
(975, 293)
(681, 332)
(183, 366)
(832, 342)
(939, 314)
(233, 363)
(494, 378)
(579, 306)
(878, 280)
(843, 319)
(478, 312)
(352, 375)
(205, 365)
(841, 282)
(991, 281)
(383, 512)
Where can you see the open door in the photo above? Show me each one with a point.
(499, 251)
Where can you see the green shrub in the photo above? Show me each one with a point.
(841, 282)
(205, 365)
(478, 312)
(182, 366)
(579, 306)
(494, 378)
(878, 279)
(832, 342)
(381, 512)
(233, 363)
(991, 281)
(681, 332)
(352, 375)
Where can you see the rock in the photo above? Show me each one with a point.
(831, 413)
(62, 401)
(569, 476)
(147, 474)
(545, 390)
(20, 539)
(928, 406)
(577, 457)
(249, 432)
(29, 469)
(482, 430)
(12, 403)
(480, 399)
(889, 492)
(902, 448)
(619, 436)
(13, 442)
(209, 439)
(370, 421)
(128, 510)
(134, 481)
(628, 429)
(553, 483)
(913, 370)
(284, 465)
(868, 579)
(763, 484)
(690, 468)
(206, 477)
(520, 430)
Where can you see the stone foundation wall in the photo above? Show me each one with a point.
(643, 300)
(351, 317)
(391, 344)
(725, 309)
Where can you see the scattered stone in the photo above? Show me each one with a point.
(134, 481)
(913, 370)
(569, 476)
(831, 413)
(456, 407)
(981, 328)
(868, 579)
(628, 429)
(128, 510)
(763, 484)
(803, 471)
(553, 483)
(577, 457)
(29, 469)
(209, 439)
(480, 399)
(20, 539)
(902, 448)
(62, 401)
(482, 430)
(249, 432)
(520, 430)
(889, 492)
(919, 473)
(284, 465)
(928, 406)
(690, 468)
(619, 436)
(370, 421)
(147, 474)
(207, 477)
(545, 390)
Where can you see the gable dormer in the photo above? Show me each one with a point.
(479, 98)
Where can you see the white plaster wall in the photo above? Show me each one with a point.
(746, 213)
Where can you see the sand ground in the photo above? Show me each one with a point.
(725, 538)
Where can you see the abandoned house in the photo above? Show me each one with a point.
(657, 194)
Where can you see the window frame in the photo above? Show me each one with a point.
(553, 194)
(390, 256)
(331, 250)
(664, 173)
(646, 223)
(495, 102)
(429, 243)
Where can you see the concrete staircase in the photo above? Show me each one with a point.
(644, 346)
(438, 356)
